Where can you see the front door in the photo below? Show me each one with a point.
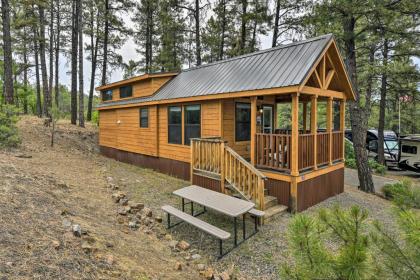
(267, 119)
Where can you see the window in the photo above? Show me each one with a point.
(175, 125)
(409, 149)
(126, 91)
(144, 117)
(243, 122)
(192, 119)
(106, 95)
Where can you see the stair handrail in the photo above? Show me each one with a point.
(247, 164)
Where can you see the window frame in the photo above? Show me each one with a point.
(146, 109)
(236, 122)
(131, 91)
(170, 124)
(103, 93)
(184, 140)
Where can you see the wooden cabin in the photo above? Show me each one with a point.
(268, 126)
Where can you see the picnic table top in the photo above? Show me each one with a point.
(219, 202)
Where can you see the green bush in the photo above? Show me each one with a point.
(403, 194)
(349, 150)
(377, 167)
(8, 131)
(95, 117)
(351, 163)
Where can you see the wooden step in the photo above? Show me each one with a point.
(270, 201)
(274, 211)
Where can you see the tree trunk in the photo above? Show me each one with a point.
(50, 84)
(276, 25)
(81, 86)
(57, 56)
(106, 35)
(243, 26)
(38, 83)
(197, 32)
(222, 32)
(382, 105)
(25, 73)
(74, 47)
(94, 54)
(358, 114)
(7, 49)
(44, 74)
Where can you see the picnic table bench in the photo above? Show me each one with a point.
(219, 202)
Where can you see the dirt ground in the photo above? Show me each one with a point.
(44, 191)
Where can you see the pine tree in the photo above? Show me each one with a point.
(74, 52)
(7, 52)
(81, 84)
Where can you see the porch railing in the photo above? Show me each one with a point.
(273, 151)
(323, 148)
(306, 151)
(212, 156)
(337, 145)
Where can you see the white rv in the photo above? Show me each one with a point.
(409, 158)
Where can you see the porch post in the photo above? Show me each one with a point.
(294, 156)
(329, 128)
(314, 127)
(295, 135)
(305, 113)
(343, 123)
(253, 127)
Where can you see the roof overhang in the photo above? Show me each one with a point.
(136, 79)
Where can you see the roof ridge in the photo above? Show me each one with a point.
(329, 35)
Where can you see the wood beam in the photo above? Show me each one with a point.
(253, 127)
(305, 113)
(318, 78)
(314, 127)
(329, 78)
(343, 123)
(323, 92)
(323, 68)
(294, 171)
(329, 127)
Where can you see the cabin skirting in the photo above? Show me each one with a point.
(206, 182)
(171, 167)
(315, 190)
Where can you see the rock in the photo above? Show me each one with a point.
(23, 156)
(173, 243)
(124, 210)
(196, 257)
(168, 237)
(137, 206)
(9, 263)
(183, 245)
(56, 244)
(201, 267)
(118, 196)
(225, 275)
(109, 259)
(178, 266)
(158, 219)
(187, 258)
(147, 231)
(133, 225)
(109, 245)
(77, 230)
(147, 212)
(121, 220)
(87, 247)
(208, 273)
(109, 179)
(123, 201)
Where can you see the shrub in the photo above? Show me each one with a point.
(349, 150)
(315, 260)
(8, 131)
(377, 167)
(403, 194)
(95, 117)
(351, 163)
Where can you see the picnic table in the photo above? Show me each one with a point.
(219, 202)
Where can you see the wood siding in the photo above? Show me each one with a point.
(315, 190)
(279, 189)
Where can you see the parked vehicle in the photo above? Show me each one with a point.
(391, 145)
(409, 158)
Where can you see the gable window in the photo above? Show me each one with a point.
(106, 95)
(192, 120)
(175, 124)
(242, 122)
(144, 117)
(126, 91)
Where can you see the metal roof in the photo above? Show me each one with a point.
(282, 66)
